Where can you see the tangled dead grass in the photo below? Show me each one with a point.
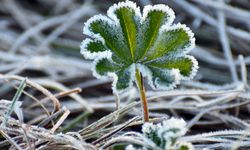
(61, 106)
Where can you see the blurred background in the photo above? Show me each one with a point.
(40, 39)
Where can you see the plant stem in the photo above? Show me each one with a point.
(144, 103)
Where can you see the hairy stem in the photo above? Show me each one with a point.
(144, 103)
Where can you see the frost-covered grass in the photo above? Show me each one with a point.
(63, 106)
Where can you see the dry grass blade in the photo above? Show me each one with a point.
(108, 135)
(61, 120)
(105, 121)
(38, 87)
(11, 140)
(14, 100)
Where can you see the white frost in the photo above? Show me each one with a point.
(166, 28)
(87, 29)
(159, 7)
(156, 85)
(132, 78)
(175, 123)
(175, 73)
(165, 131)
(186, 144)
(148, 128)
(145, 71)
(112, 75)
(194, 68)
(130, 147)
(92, 55)
(126, 4)
(93, 68)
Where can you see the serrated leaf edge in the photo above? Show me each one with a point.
(87, 29)
(159, 7)
(127, 4)
(147, 73)
(189, 47)
(194, 69)
(113, 75)
(92, 55)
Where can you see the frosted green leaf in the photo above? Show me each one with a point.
(127, 39)
(165, 135)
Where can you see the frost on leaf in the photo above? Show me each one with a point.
(165, 135)
(127, 39)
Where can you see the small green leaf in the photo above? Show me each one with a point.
(96, 46)
(129, 25)
(171, 39)
(154, 17)
(166, 135)
(91, 48)
(162, 78)
(111, 34)
(124, 78)
(105, 66)
(126, 40)
(184, 64)
(184, 146)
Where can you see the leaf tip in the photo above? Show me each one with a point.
(87, 26)
(187, 30)
(126, 4)
(93, 55)
(159, 7)
(194, 68)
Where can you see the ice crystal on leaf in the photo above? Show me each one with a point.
(125, 40)
(165, 135)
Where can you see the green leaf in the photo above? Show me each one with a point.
(154, 17)
(95, 46)
(106, 67)
(185, 146)
(126, 40)
(124, 79)
(129, 24)
(91, 48)
(184, 64)
(175, 39)
(163, 78)
(110, 33)
(166, 135)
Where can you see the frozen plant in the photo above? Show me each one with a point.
(165, 135)
(128, 45)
